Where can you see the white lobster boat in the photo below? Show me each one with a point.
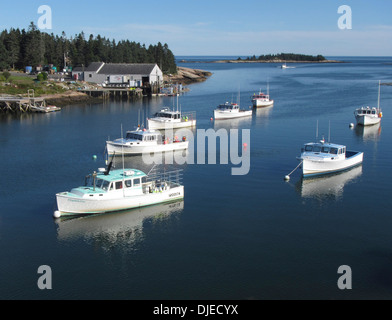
(262, 100)
(323, 158)
(145, 141)
(230, 111)
(175, 119)
(121, 189)
(367, 116)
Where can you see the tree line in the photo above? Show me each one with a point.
(21, 48)
(285, 56)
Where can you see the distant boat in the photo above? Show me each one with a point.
(366, 116)
(145, 141)
(230, 111)
(172, 119)
(46, 109)
(121, 189)
(323, 158)
(261, 99)
(167, 118)
(284, 66)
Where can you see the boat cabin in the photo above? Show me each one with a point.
(261, 96)
(228, 106)
(320, 148)
(367, 110)
(144, 135)
(166, 113)
(131, 181)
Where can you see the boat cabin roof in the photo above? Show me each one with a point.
(120, 174)
(139, 134)
(366, 110)
(228, 105)
(324, 148)
(260, 95)
(168, 111)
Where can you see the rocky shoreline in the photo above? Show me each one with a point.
(69, 97)
(187, 76)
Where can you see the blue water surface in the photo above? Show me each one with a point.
(251, 236)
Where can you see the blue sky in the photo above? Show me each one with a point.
(215, 27)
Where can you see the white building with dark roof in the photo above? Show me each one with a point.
(121, 74)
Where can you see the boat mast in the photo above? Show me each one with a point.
(122, 151)
(378, 102)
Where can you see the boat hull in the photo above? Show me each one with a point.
(71, 206)
(312, 166)
(118, 148)
(161, 125)
(261, 103)
(367, 120)
(219, 115)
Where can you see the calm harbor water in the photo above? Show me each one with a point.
(253, 236)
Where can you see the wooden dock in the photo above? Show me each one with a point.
(122, 93)
(21, 104)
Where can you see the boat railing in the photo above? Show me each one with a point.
(159, 181)
(188, 116)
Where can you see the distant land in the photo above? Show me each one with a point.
(276, 58)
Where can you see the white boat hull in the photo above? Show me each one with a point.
(218, 115)
(262, 103)
(69, 205)
(161, 125)
(134, 149)
(367, 119)
(312, 166)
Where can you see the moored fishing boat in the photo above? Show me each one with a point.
(262, 100)
(230, 111)
(142, 141)
(167, 118)
(323, 158)
(120, 189)
(367, 116)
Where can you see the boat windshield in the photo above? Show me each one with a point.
(102, 184)
(228, 106)
(167, 115)
(322, 149)
(134, 136)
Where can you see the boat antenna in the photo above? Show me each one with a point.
(110, 164)
(177, 96)
(317, 130)
(122, 151)
(378, 103)
(329, 131)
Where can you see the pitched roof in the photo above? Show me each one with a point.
(94, 66)
(126, 68)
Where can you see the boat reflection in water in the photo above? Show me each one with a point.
(233, 123)
(121, 227)
(328, 187)
(368, 133)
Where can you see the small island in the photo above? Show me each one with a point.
(281, 58)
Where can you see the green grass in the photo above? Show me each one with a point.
(20, 84)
